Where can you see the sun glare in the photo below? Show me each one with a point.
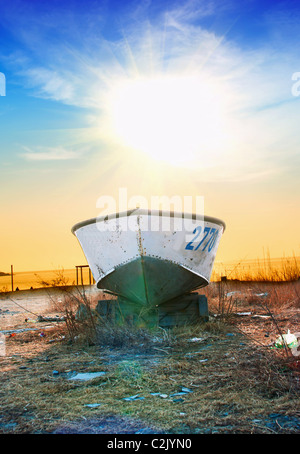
(180, 120)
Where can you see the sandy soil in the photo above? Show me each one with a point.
(20, 309)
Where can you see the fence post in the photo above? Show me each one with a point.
(12, 277)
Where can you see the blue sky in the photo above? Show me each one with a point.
(59, 151)
(59, 58)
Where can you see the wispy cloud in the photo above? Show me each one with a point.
(50, 84)
(79, 73)
(49, 154)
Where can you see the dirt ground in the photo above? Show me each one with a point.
(225, 376)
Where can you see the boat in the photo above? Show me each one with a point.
(149, 257)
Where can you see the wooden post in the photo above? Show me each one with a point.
(90, 277)
(81, 275)
(12, 277)
(76, 275)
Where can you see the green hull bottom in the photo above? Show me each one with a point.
(149, 282)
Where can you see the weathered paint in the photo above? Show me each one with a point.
(138, 256)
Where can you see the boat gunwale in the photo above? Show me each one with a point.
(139, 211)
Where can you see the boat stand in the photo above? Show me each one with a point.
(188, 309)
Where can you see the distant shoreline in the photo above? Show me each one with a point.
(237, 262)
(285, 269)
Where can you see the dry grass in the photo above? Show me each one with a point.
(285, 269)
(237, 380)
(234, 386)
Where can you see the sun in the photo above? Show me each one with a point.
(178, 119)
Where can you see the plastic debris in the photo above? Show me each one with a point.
(186, 390)
(135, 397)
(196, 339)
(55, 372)
(87, 376)
(232, 293)
(288, 339)
(92, 405)
(178, 394)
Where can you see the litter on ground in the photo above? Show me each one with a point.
(87, 376)
(288, 339)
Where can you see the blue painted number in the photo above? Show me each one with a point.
(198, 230)
(211, 232)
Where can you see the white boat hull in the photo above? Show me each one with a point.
(150, 257)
